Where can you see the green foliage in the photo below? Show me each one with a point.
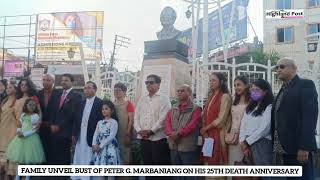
(174, 102)
(106, 96)
(258, 56)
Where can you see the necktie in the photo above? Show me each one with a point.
(62, 98)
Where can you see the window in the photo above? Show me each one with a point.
(313, 28)
(313, 3)
(285, 35)
(284, 4)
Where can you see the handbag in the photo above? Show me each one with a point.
(231, 138)
(246, 161)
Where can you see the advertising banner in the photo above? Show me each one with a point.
(236, 32)
(56, 32)
(13, 68)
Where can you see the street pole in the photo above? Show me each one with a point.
(119, 41)
(113, 52)
(222, 31)
(205, 31)
(226, 45)
(194, 50)
(3, 50)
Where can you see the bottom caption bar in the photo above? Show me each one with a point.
(83, 170)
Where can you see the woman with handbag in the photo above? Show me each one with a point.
(238, 108)
(216, 119)
(255, 135)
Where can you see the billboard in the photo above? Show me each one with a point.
(13, 68)
(236, 32)
(57, 32)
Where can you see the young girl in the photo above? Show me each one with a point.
(26, 147)
(105, 145)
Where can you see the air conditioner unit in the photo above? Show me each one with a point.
(312, 47)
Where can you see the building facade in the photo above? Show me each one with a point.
(110, 78)
(296, 37)
(289, 36)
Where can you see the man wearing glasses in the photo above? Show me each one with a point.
(149, 122)
(294, 119)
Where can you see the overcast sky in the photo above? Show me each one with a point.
(136, 19)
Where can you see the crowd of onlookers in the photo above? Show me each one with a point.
(252, 127)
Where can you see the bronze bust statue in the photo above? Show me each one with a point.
(168, 17)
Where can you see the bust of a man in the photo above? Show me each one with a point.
(168, 17)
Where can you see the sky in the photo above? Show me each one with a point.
(138, 20)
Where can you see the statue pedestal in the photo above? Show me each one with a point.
(167, 59)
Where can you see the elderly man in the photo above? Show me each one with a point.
(49, 100)
(294, 119)
(182, 127)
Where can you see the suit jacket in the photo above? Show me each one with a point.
(49, 111)
(67, 114)
(297, 116)
(94, 117)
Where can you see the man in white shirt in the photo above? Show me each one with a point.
(149, 122)
(88, 115)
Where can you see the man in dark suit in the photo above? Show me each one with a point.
(84, 126)
(63, 123)
(294, 119)
(49, 100)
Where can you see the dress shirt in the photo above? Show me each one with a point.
(254, 128)
(67, 92)
(151, 114)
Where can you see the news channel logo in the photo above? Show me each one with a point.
(285, 14)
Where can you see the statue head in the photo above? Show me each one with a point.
(168, 16)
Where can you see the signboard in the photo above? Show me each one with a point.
(232, 52)
(57, 31)
(162, 71)
(36, 76)
(13, 68)
(236, 32)
(75, 70)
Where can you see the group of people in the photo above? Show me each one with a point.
(253, 127)
(55, 127)
(61, 127)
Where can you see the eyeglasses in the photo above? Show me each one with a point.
(281, 66)
(180, 90)
(149, 82)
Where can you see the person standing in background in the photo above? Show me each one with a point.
(125, 113)
(49, 100)
(240, 102)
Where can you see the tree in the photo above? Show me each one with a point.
(261, 57)
(106, 96)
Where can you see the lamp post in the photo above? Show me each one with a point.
(71, 53)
